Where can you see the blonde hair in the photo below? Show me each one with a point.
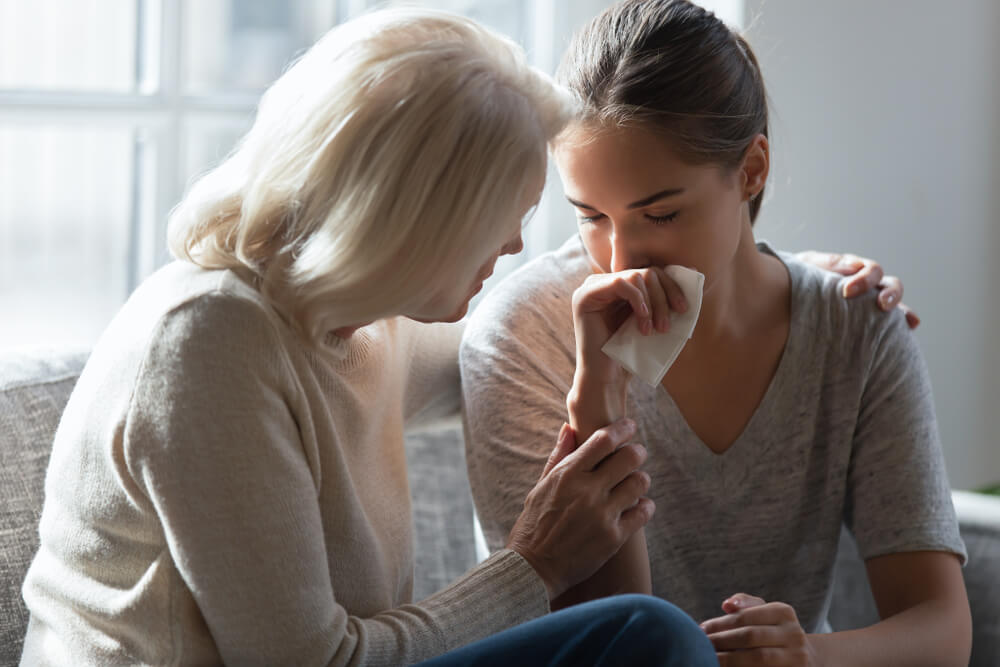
(386, 163)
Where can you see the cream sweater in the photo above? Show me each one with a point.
(220, 493)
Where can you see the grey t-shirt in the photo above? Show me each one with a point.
(845, 434)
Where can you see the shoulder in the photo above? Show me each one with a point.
(185, 322)
(212, 310)
(820, 311)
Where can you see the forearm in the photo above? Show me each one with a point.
(936, 633)
(625, 572)
(592, 405)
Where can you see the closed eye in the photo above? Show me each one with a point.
(662, 219)
(589, 218)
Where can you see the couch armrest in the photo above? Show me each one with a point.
(979, 521)
(979, 518)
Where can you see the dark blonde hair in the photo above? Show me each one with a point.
(672, 67)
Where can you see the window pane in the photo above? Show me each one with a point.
(206, 143)
(506, 16)
(243, 45)
(84, 45)
(65, 205)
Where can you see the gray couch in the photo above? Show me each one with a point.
(34, 387)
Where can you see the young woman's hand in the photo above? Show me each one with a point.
(602, 304)
(754, 632)
(588, 501)
(864, 274)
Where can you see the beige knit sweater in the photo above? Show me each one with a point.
(220, 493)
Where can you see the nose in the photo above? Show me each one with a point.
(513, 247)
(624, 254)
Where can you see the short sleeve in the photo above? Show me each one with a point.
(898, 497)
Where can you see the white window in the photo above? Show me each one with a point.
(109, 108)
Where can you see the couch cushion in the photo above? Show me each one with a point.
(34, 387)
(443, 533)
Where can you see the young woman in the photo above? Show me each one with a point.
(790, 411)
(228, 482)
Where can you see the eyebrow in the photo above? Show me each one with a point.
(662, 194)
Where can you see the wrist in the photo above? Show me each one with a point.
(814, 649)
(550, 588)
(592, 404)
(592, 390)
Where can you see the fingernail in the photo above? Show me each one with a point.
(564, 434)
(645, 309)
(888, 300)
(852, 289)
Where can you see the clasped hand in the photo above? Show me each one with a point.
(605, 300)
(588, 501)
(757, 633)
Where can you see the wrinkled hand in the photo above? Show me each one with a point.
(758, 633)
(605, 300)
(588, 501)
(864, 274)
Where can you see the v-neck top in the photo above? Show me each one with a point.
(844, 435)
(729, 466)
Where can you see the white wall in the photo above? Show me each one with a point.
(886, 137)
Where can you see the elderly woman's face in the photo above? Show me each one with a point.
(453, 304)
(511, 247)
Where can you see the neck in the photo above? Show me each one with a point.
(738, 296)
(348, 331)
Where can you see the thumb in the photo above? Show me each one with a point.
(741, 601)
(565, 444)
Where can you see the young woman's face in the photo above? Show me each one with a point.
(639, 205)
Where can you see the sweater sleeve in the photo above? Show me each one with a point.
(212, 439)
(432, 383)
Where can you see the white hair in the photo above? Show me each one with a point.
(387, 162)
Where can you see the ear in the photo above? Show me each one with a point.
(755, 167)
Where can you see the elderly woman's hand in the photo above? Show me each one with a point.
(587, 503)
(862, 275)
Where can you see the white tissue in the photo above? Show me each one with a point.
(650, 357)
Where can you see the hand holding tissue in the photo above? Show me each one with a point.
(650, 357)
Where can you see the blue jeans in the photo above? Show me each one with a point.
(621, 630)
